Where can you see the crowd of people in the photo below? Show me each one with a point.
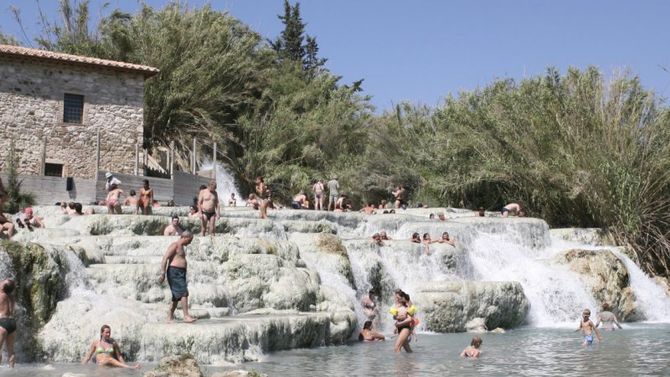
(206, 206)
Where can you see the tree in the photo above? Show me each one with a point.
(293, 46)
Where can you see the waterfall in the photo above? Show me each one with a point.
(225, 183)
(652, 299)
(557, 295)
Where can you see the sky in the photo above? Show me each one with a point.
(423, 50)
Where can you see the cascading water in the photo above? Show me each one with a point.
(557, 296)
(225, 183)
(651, 297)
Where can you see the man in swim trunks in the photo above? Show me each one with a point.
(173, 265)
(607, 318)
(174, 229)
(7, 321)
(587, 328)
(208, 202)
(333, 192)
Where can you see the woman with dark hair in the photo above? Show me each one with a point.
(403, 312)
(107, 351)
(416, 237)
(368, 334)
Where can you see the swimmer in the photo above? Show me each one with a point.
(377, 240)
(107, 351)
(416, 238)
(472, 351)
(369, 335)
(587, 328)
(445, 239)
(383, 235)
(607, 318)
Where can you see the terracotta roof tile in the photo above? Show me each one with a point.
(8, 50)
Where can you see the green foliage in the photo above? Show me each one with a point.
(40, 282)
(293, 46)
(573, 149)
(15, 198)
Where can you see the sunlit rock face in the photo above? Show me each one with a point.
(450, 306)
(607, 277)
(293, 280)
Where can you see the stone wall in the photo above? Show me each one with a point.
(31, 113)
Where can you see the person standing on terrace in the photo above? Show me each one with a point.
(333, 192)
(146, 200)
(173, 265)
(208, 203)
(318, 195)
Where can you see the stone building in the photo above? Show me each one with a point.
(54, 106)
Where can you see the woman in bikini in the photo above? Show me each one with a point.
(263, 196)
(146, 199)
(106, 351)
(403, 313)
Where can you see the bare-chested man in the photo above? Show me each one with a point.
(173, 265)
(513, 209)
(174, 229)
(131, 200)
(7, 320)
(607, 318)
(208, 202)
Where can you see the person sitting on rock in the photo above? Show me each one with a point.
(472, 351)
(107, 351)
(29, 221)
(608, 318)
(368, 334)
(174, 229)
(369, 209)
(299, 201)
(131, 200)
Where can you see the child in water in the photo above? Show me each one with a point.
(587, 328)
(472, 351)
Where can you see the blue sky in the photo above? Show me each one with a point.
(421, 51)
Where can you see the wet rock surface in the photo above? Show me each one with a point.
(608, 279)
(293, 280)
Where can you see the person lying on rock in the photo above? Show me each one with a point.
(607, 318)
(369, 335)
(107, 351)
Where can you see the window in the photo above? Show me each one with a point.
(73, 108)
(53, 170)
